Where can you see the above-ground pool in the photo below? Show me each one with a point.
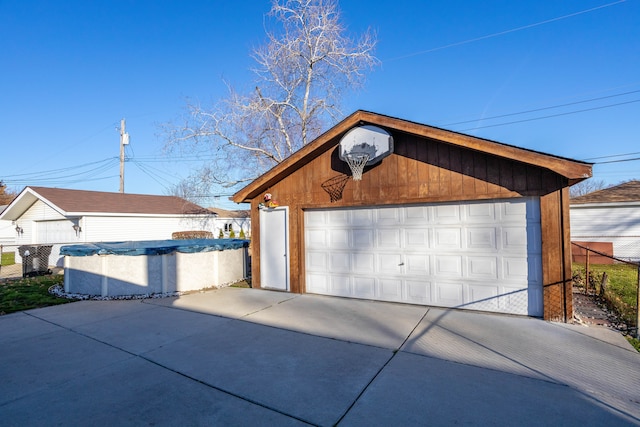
(154, 266)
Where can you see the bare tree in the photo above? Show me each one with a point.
(303, 72)
(587, 186)
(6, 196)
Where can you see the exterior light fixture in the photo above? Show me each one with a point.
(19, 229)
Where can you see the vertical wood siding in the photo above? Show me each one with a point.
(423, 171)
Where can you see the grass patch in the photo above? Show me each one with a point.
(634, 342)
(8, 258)
(620, 292)
(28, 293)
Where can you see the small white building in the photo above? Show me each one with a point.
(7, 230)
(609, 215)
(54, 216)
(231, 223)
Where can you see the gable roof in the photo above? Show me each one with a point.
(224, 213)
(623, 193)
(574, 170)
(81, 202)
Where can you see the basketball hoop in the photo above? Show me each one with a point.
(357, 162)
(334, 186)
(364, 146)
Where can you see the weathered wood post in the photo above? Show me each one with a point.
(604, 283)
(586, 273)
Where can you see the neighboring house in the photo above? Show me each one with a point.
(609, 215)
(7, 230)
(439, 218)
(54, 216)
(226, 221)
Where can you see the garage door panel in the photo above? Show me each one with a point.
(514, 300)
(340, 286)
(317, 239)
(362, 218)
(482, 238)
(338, 238)
(363, 262)
(417, 265)
(363, 238)
(448, 266)
(481, 255)
(480, 213)
(515, 239)
(418, 292)
(390, 263)
(388, 216)
(483, 297)
(338, 217)
(390, 289)
(364, 287)
(389, 239)
(446, 214)
(315, 218)
(339, 263)
(448, 294)
(416, 215)
(447, 238)
(318, 283)
(416, 238)
(482, 267)
(317, 261)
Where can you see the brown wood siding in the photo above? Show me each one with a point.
(423, 170)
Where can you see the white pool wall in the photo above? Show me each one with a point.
(117, 275)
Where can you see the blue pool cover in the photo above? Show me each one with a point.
(153, 247)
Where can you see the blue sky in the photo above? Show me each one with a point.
(72, 69)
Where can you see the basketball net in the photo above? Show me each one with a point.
(357, 162)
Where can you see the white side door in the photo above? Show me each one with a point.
(274, 248)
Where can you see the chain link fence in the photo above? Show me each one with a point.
(25, 261)
(613, 280)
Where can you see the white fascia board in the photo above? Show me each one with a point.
(117, 214)
(23, 202)
(605, 205)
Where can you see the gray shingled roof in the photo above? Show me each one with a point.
(627, 192)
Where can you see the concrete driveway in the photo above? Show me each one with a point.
(253, 357)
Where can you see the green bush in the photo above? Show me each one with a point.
(232, 234)
(221, 234)
(242, 235)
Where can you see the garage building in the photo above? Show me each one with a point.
(436, 218)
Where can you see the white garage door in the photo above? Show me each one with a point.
(474, 255)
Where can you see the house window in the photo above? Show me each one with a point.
(227, 228)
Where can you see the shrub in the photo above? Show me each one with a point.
(195, 234)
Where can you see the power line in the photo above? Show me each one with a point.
(544, 108)
(501, 33)
(614, 155)
(551, 116)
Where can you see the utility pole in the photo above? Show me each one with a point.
(124, 140)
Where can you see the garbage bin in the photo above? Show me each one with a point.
(35, 259)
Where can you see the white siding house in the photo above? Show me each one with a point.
(62, 217)
(609, 215)
(227, 221)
